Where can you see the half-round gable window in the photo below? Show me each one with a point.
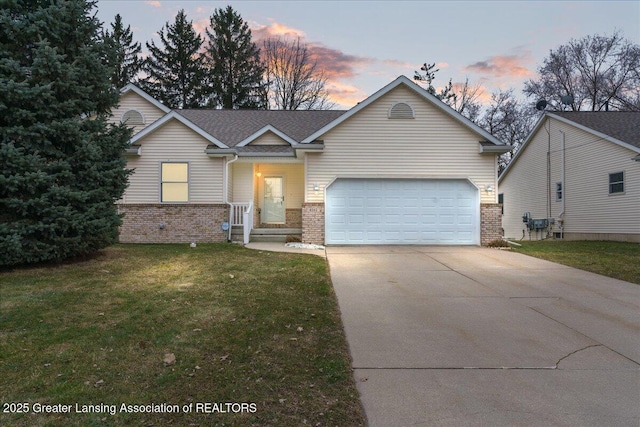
(132, 118)
(401, 110)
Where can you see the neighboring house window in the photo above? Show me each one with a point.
(174, 182)
(132, 118)
(401, 110)
(616, 182)
(501, 201)
(558, 191)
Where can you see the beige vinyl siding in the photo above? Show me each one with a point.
(588, 206)
(524, 187)
(269, 138)
(133, 101)
(433, 145)
(242, 175)
(293, 182)
(174, 142)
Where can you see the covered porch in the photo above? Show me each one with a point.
(265, 197)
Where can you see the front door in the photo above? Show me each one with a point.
(273, 208)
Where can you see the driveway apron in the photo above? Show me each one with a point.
(461, 336)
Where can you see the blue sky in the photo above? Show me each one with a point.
(363, 45)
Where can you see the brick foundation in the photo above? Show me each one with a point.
(313, 223)
(490, 222)
(293, 218)
(200, 223)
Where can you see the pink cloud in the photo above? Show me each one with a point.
(500, 66)
(260, 32)
(154, 3)
(335, 63)
(344, 95)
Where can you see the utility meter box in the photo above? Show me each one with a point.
(540, 224)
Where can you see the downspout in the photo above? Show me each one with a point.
(225, 191)
(562, 177)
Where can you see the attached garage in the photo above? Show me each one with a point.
(362, 211)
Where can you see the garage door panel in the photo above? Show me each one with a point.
(401, 211)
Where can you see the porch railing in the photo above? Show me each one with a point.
(247, 217)
(241, 215)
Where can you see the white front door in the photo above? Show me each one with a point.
(273, 208)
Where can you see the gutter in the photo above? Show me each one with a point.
(225, 191)
(490, 148)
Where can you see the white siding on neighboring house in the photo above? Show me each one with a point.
(174, 142)
(133, 101)
(433, 145)
(268, 138)
(588, 207)
(525, 191)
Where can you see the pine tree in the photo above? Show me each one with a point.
(235, 69)
(175, 71)
(122, 53)
(61, 164)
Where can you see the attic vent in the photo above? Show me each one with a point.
(132, 118)
(401, 110)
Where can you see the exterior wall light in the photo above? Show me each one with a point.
(488, 188)
(316, 187)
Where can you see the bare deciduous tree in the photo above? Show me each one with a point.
(597, 71)
(509, 120)
(293, 79)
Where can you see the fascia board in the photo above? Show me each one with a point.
(262, 131)
(133, 88)
(173, 115)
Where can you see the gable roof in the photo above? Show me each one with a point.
(403, 80)
(621, 125)
(173, 115)
(135, 89)
(240, 127)
(618, 127)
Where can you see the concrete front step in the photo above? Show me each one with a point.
(267, 234)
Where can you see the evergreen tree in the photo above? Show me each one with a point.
(61, 164)
(122, 53)
(175, 71)
(235, 69)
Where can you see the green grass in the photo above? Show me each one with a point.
(614, 259)
(245, 326)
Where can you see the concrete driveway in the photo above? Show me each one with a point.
(468, 336)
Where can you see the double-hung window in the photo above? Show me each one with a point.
(616, 183)
(174, 182)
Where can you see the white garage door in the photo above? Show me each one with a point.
(402, 211)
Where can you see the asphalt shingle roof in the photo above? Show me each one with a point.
(233, 126)
(622, 125)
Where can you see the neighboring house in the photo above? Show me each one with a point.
(581, 172)
(401, 167)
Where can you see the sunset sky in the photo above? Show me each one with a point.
(363, 45)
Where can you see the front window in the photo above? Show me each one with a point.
(616, 183)
(175, 182)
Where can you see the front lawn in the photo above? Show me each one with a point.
(619, 260)
(256, 337)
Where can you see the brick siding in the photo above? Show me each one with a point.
(293, 220)
(200, 223)
(490, 222)
(313, 223)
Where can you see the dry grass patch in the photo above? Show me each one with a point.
(244, 326)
